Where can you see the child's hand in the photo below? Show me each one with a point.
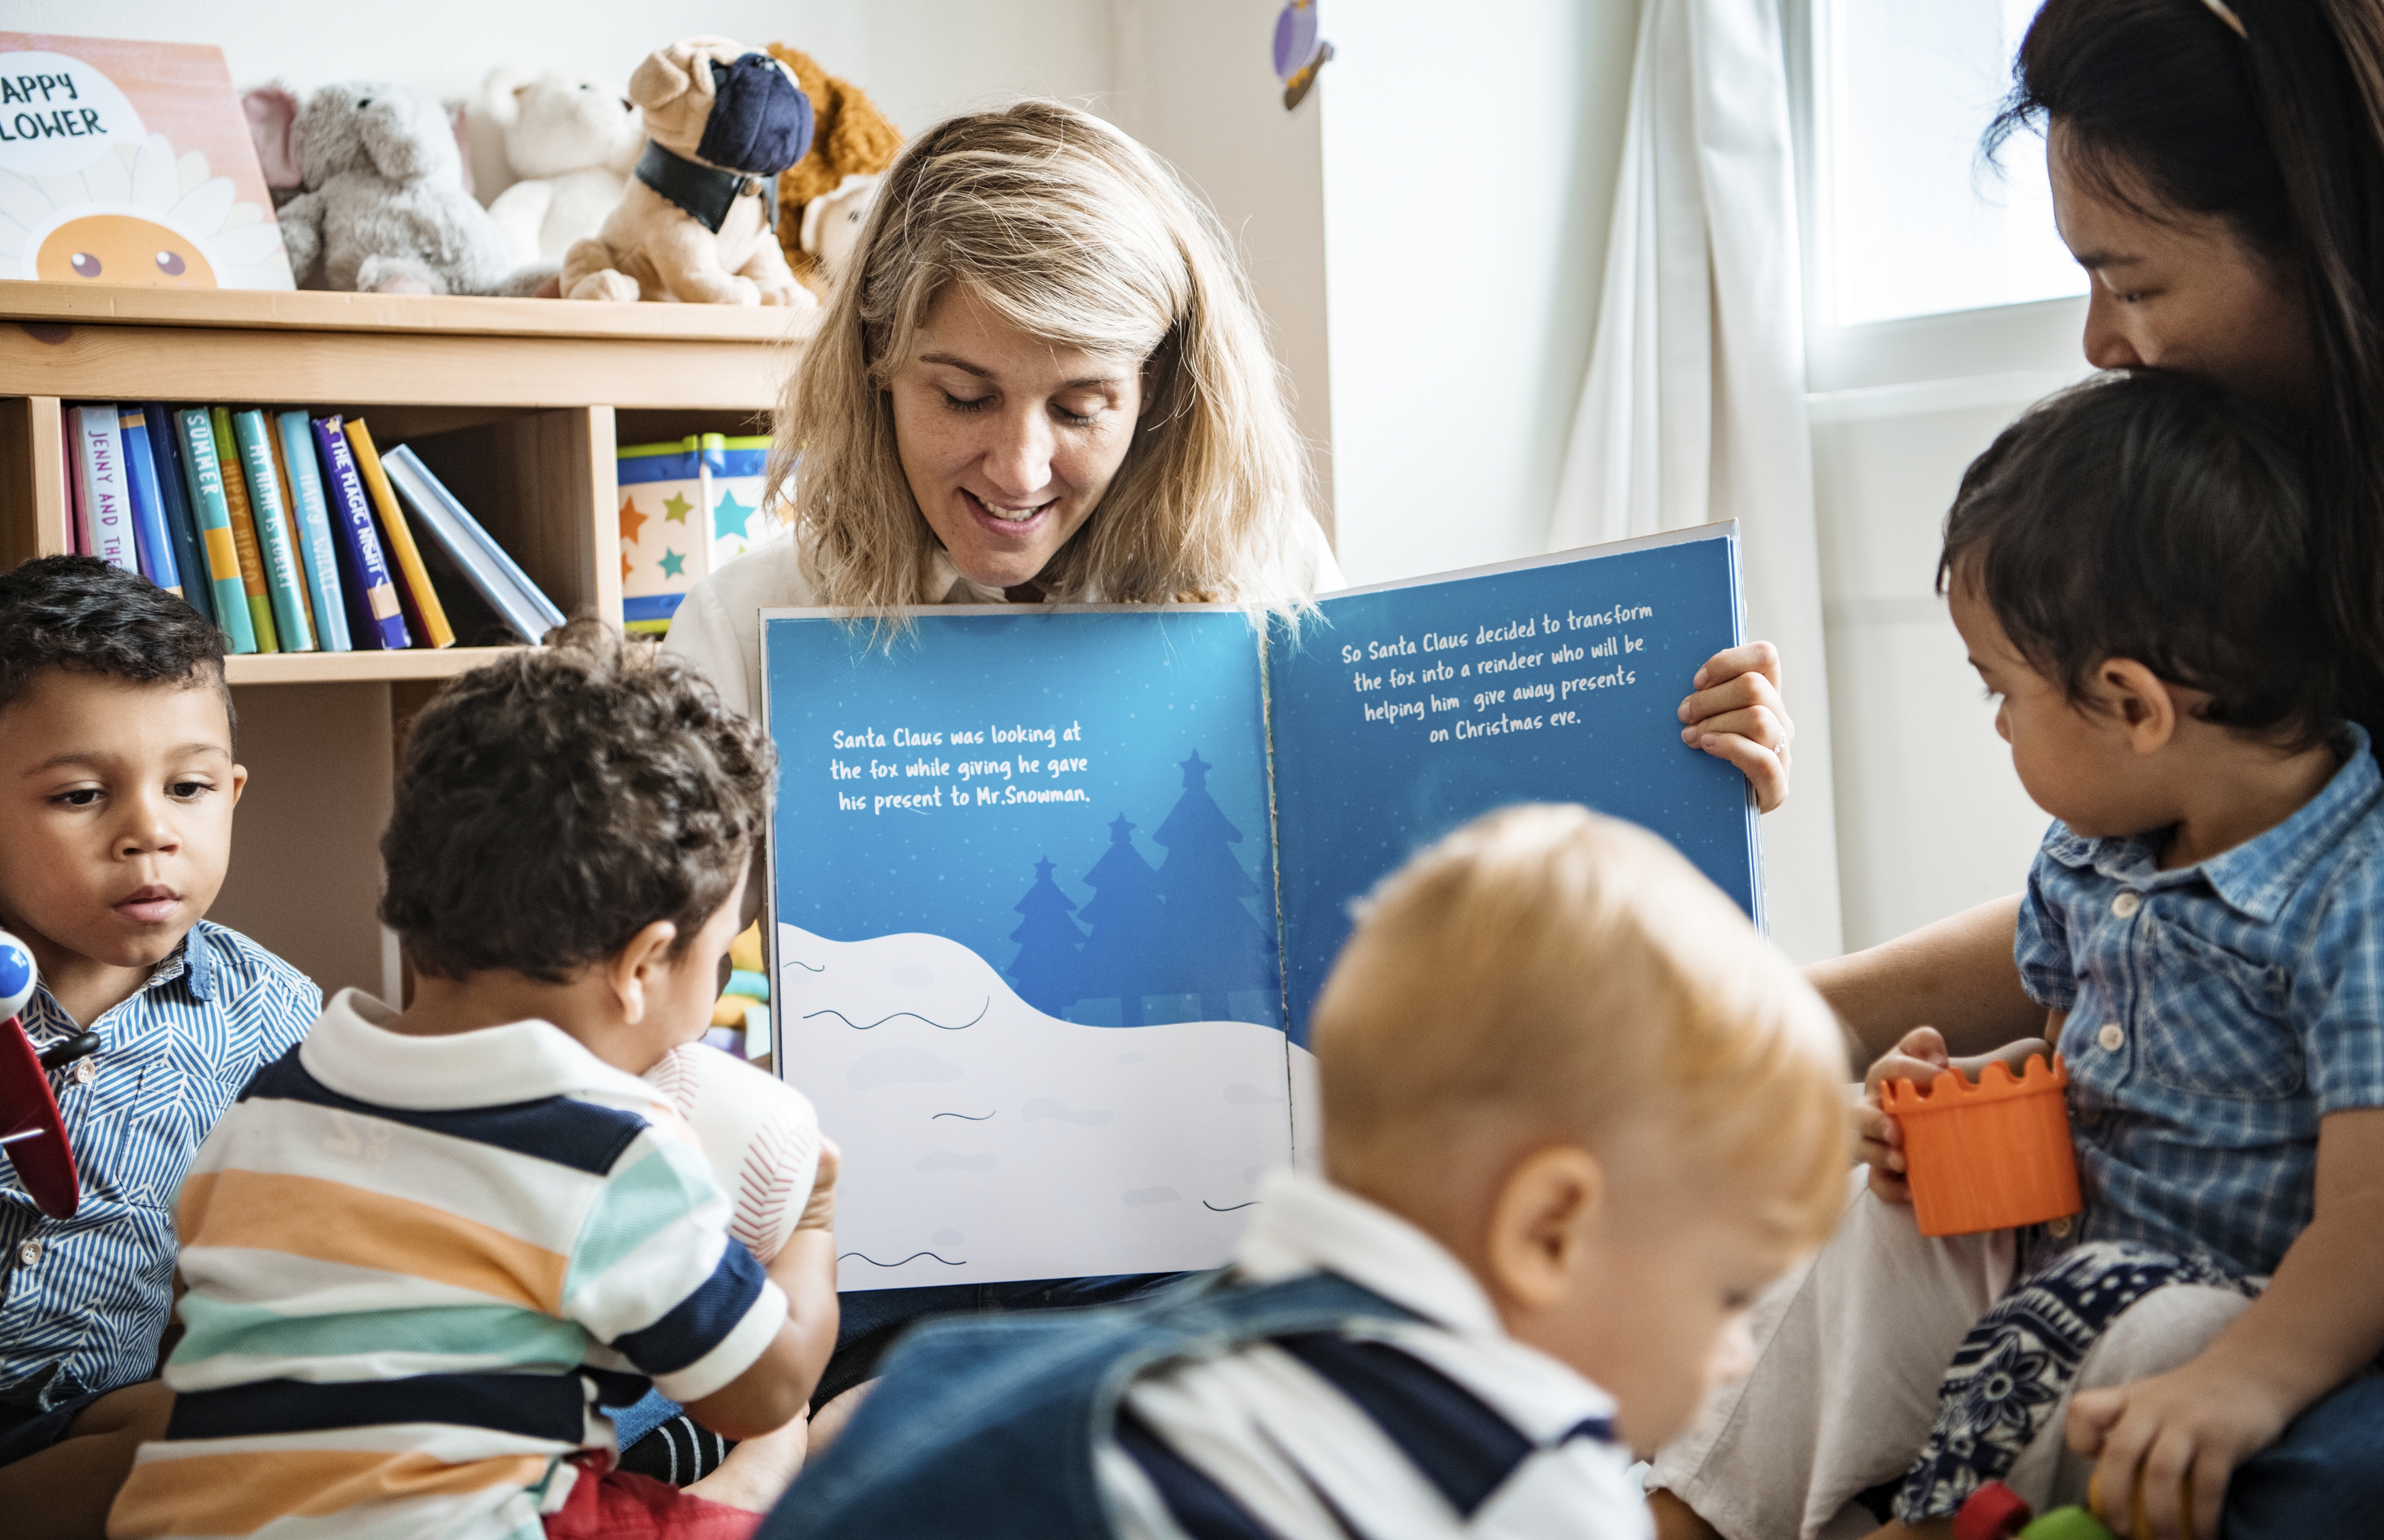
(819, 1211)
(2191, 1425)
(1736, 716)
(1878, 1141)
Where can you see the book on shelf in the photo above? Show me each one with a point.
(243, 532)
(125, 162)
(276, 533)
(494, 574)
(105, 497)
(323, 594)
(203, 479)
(424, 613)
(149, 537)
(173, 496)
(374, 613)
(1125, 860)
(688, 509)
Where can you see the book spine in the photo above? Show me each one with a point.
(446, 522)
(175, 500)
(531, 594)
(203, 476)
(423, 611)
(314, 534)
(353, 517)
(99, 477)
(149, 537)
(284, 582)
(243, 532)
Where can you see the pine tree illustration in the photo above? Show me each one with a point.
(1127, 948)
(1047, 968)
(1213, 944)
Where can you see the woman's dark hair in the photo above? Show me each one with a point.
(558, 801)
(2279, 131)
(2158, 516)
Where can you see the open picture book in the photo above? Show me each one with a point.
(1055, 886)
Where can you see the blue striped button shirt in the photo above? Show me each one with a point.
(2215, 1013)
(83, 1300)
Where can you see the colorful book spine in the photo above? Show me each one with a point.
(244, 531)
(149, 537)
(174, 498)
(276, 533)
(203, 476)
(458, 534)
(423, 611)
(360, 547)
(314, 533)
(106, 509)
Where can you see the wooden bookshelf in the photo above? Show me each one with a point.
(517, 406)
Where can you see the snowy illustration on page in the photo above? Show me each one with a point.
(1056, 887)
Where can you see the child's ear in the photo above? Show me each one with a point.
(2145, 704)
(1540, 1223)
(630, 971)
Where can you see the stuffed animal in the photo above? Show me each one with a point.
(850, 138)
(698, 220)
(385, 209)
(831, 228)
(570, 140)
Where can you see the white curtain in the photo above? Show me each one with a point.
(1694, 407)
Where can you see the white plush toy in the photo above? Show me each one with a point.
(760, 1134)
(571, 141)
(832, 225)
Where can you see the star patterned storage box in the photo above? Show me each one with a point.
(687, 509)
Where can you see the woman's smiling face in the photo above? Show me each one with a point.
(1008, 441)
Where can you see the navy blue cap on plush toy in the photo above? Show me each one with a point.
(761, 120)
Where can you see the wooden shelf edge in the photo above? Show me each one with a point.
(452, 315)
(313, 668)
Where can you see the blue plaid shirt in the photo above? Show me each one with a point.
(2216, 1012)
(84, 1302)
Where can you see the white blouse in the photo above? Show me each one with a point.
(718, 629)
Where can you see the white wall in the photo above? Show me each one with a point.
(1197, 85)
(1469, 171)
(1931, 818)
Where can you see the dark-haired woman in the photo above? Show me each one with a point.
(2217, 168)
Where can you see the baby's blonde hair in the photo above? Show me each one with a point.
(1072, 232)
(1563, 971)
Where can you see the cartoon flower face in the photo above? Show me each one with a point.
(138, 214)
(122, 248)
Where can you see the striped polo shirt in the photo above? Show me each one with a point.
(82, 1300)
(414, 1265)
(1444, 1426)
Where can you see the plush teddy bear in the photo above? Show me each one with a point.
(831, 228)
(850, 138)
(570, 140)
(698, 220)
(384, 209)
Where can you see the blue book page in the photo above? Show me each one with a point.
(1412, 708)
(1025, 940)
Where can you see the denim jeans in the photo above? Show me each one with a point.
(2324, 1477)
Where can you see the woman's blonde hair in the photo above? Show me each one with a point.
(1560, 972)
(1070, 232)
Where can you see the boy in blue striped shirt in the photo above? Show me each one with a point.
(117, 789)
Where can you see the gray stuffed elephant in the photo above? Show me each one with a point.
(385, 210)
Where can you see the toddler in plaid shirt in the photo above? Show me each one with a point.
(2131, 567)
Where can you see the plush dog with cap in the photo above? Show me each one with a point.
(699, 220)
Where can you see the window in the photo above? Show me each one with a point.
(1906, 219)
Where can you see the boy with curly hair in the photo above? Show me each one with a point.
(428, 1243)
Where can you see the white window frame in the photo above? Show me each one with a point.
(1992, 352)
